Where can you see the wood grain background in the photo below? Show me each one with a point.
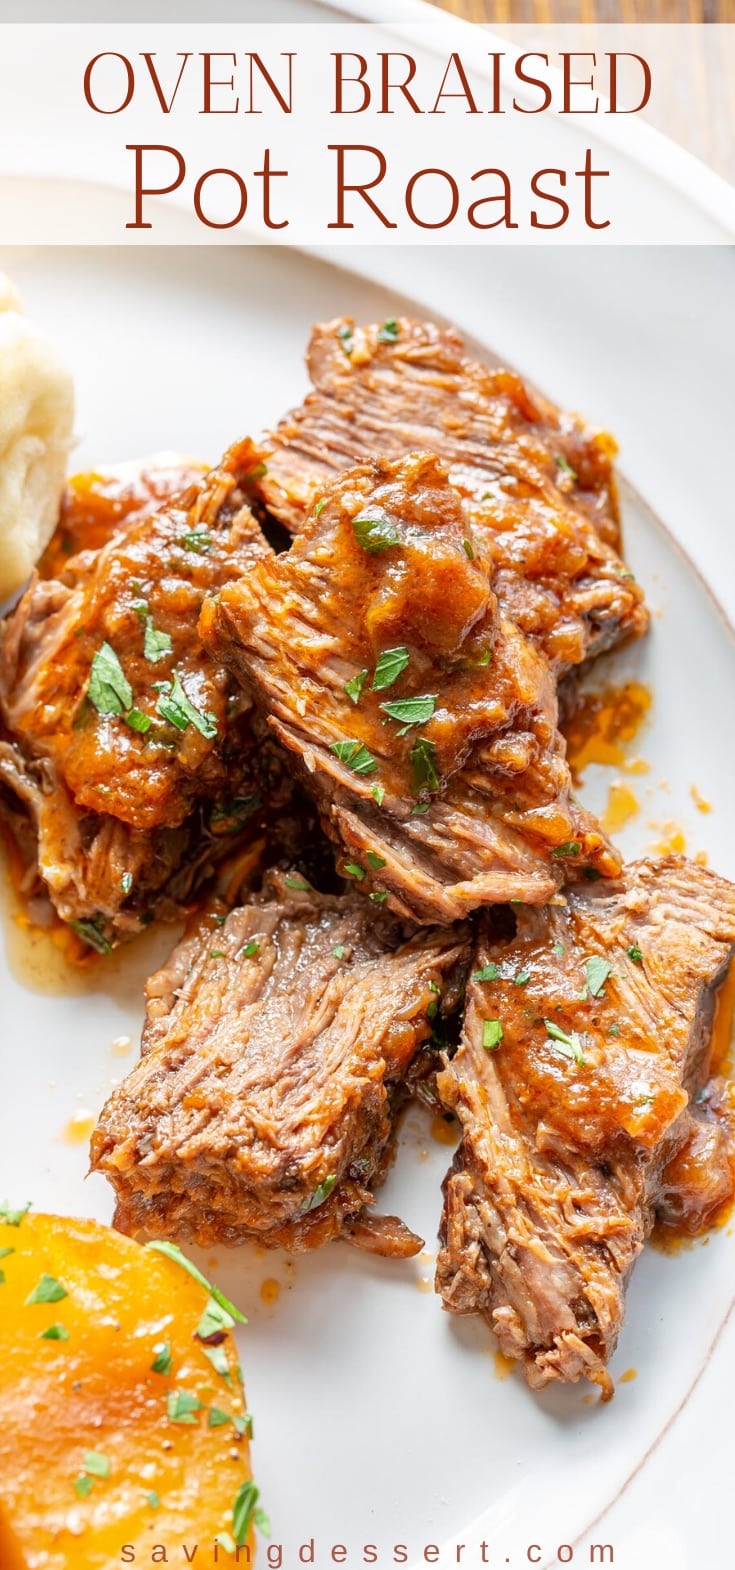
(698, 109)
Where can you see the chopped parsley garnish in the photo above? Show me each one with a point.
(47, 1290)
(375, 532)
(216, 1418)
(174, 706)
(319, 1195)
(569, 848)
(487, 973)
(5, 1251)
(345, 336)
(388, 333)
(96, 1465)
(379, 896)
(568, 1043)
(410, 711)
(420, 808)
(492, 1034)
(55, 1333)
(566, 467)
(635, 954)
(424, 771)
(90, 933)
(154, 1500)
(82, 1486)
(13, 1218)
(252, 947)
(199, 540)
(522, 978)
(215, 1321)
(596, 970)
(354, 688)
(172, 1251)
(126, 882)
(182, 1406)
(469, 549)
(245, 1511)
(156, 645)
(163, 1361)
(293, 880)
(482, 659)
(559, 949)
(375, 861)
(109, 689)
(339, 951)
(378, 794)
(614, 1029)
(320, 506)
(244, 1424)
(217, 954)
(139, 721)
(355, 755)
(257, 472)
(391, 663)
(218, 1358)
(354, 870)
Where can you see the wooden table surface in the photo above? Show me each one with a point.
(698, 108)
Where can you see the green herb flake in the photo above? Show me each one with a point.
(635, 954)
(55, 1333)
(96, 1465)
(252, 947)
(379, 896)
(5, 1251)
(487, 973)
(390, 665)
(319, 1195)
(410, 711)
(174, 705)
(109, 689)
(559, 950)
(243, 1511)
(375, 532)
(375, 861)
(182, 1406)
(218, 1358)
(83, 1486)
(568, 1043)
(522, 978)
(138, 721)
(492, 1034)
(354, 870)
(614, 1029)
(569, 848)
(90, 933)
(339, 951)
(320, 506)
(154, 1500)
(354, 688)
(346, 338)
(216, 1418)
(215, 1321)
(197, 540)
(420, 808)
(163, 1361)
(172, 1251)
(126, 882)
(244, 1424)
(47, 1290)
(13, 1218)
(597, 970)
(378, 794)
(468, 549)
(388, 333)
(424, 770)
(293, 880)
(156, 645)
(217, 954)
(566, 467)
(355, 755)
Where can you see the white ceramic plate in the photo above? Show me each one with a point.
(379, 1419)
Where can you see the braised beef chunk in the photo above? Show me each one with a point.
(97, 505)
(425, 723)
(536, 485)
(699, 1181)
(587, 1034)
(274, 1049)
(124, 741)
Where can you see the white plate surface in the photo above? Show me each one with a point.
(379, 1419)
